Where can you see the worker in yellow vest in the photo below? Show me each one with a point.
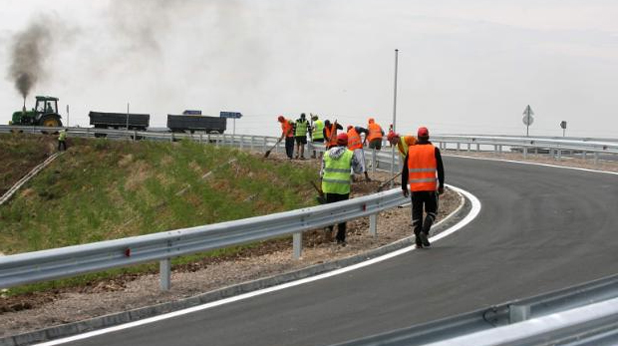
(424, 172)
(62, 140)
(402, 142)
(337, 164)
(355, 143)
(317, 133)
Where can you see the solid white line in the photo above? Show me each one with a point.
(534, 164)
(476, 208)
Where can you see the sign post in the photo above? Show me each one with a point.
(231, 115)
(563, 125)
(528, 118)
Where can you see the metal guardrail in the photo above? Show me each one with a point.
(584, 313)
(69, 261)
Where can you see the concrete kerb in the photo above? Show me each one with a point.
(115, 319)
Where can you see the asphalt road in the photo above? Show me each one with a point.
(540, 229)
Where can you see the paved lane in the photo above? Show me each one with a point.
(540, 229)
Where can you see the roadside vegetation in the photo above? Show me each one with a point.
(101, 189)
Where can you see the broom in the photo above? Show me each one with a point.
(271, 149)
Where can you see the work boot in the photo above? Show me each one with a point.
(424, 240)
(417, 240)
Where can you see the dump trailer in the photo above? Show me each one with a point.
(196, 123)
(44, 113)
(102, 120)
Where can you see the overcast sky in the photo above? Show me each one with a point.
(464, 66)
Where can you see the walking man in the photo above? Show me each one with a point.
(424, 172)
(301, 127)
(287, 132)
(62, 138)
(337, 164)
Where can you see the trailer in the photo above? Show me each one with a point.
(103, 120)
(196, 123)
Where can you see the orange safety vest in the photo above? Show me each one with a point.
(422, 168)
(331, 137)
(287, 128)
(354, 140)
(375, 132)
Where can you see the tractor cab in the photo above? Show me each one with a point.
(46, 105)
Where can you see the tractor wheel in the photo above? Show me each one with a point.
(51, 121)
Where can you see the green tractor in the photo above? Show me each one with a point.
(45, 113)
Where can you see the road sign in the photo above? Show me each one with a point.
(528, 118)
(230, 115)
(563, 124)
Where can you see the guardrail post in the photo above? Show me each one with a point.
(469, 145)
(478, 147)
(264, 145)
(525, 152)
(495, 148)
(165, 271)
(584, 155)
(297, 244)
(374, 160)
(373, 225)
(518, 313)
(251, 145)
(559, 154)
(596, 158)
(458, 146)
(242, 138)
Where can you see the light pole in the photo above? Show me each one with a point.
(394, 117)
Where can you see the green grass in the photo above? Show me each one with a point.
(100, 190)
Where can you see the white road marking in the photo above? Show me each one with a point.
(476, 208)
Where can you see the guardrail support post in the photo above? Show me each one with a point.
(559, 154)
(373, 225)
(525, 152)
(251, 145)
(297, 243)
(518, 313)
(165, 271)
(469, 145)
(373, 160)
(596, 158)
(458, 146)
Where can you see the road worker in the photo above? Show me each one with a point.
(375, 135)
(337, 164)
(287, 132)
(424, 171)
(62, 140)
(355, 143)
(330, 133)
(301, 128)
(317, 134)
(402, 142)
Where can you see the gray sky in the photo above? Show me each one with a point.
(464, 66)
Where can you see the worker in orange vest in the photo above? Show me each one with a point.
(355, 143)
(287, 132)
(375, 135)
(424, 172)
(330, 133)
(402, 142)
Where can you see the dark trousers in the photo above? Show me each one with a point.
(429, 200)
(289, 147)
(332, 198)
(62, 145)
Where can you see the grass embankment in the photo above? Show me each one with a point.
(102, 189)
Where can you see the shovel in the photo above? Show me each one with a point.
(321, 198)
(271, 149)
(388, 181)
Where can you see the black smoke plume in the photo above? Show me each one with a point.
(28, 52)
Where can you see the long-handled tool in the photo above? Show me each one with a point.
(388, 181)
(321, 198)
(271, 149)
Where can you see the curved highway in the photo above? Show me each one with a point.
(540, 228)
